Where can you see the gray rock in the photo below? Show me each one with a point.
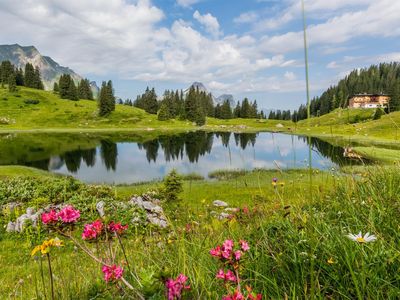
(223, 216)
(100, 208)
(10, 227)
(154, 212)
(231, 209)
(219, 203)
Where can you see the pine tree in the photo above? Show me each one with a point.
(226, 111)
(110, 97)
(84, 90)
(163, 113)
(200, 117)
(236, 111)
(63, 86)
(103, 100)
(19, 77)
(191, 106)
(12, 85)
(245, 110)
(55, 87)
(38, 84)
(72, 92)
(6, 69)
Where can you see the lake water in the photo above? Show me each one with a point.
(113, 159)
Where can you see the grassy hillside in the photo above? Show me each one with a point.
(357, 124)
(53, 112)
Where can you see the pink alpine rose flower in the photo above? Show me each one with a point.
(112, 273)
(69, 214)
(176, 287)
(117, 227)
(50, 217)
(244, 245)
(93, 230)
(228, 276)
(238, 254)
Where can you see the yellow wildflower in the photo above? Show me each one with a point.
(330, 261)
(44, 248)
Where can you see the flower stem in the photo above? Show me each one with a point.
(51, 277)
(42, 275)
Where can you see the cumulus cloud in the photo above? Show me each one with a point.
(247, 17)
(187, 3)
(379, 19)
(209, 22)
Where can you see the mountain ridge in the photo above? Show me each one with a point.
(50, 70)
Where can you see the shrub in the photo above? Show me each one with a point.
(172, 186)
(31, 101)
(378, 113)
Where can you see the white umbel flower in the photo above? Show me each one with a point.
(367, 238)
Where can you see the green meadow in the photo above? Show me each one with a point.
(296, 222)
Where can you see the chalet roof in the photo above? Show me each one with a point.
(368, 95)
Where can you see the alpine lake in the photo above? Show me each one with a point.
(133, 158)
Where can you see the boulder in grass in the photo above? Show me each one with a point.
(219, 203)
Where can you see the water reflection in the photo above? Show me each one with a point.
(108, 160)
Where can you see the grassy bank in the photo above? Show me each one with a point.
(298, 247)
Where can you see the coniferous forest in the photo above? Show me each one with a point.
(377, 79)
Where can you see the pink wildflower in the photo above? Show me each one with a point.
(93, 230)
(216, 252)
(236, 296)
(238, 254)
(117, 227)
(69, 214)
(112, 273)
(50, 217)
(244, 245)
(226, 250)
(175, 287)
(228, 276)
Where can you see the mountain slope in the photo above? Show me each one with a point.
(49, 69)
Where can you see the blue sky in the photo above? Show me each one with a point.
(250, 48)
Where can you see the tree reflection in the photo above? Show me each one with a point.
(109, 154)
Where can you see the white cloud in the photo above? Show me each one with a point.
(209, 22)
(187, 3)
(290, 75)
(379, 19)
(248, 17)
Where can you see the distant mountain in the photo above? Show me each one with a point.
(221, 99)
(49, 69)
(197, 85)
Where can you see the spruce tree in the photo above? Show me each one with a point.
(38, 84)
(84, 90)
(6, 69)
(55, 87)
(245, 110)
(226, 111)
(103, 100)
(72, 92)
(63, 86)
(19, 77)
(12, 85)
(110, 97)
(163, 113)
(236, 111)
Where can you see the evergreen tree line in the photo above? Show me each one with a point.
(67, 89)
(13, 76)
(377, 79)
(193, 106)
(280, 115)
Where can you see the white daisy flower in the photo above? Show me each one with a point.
(362, 239)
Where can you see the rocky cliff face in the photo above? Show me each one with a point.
(49, 69)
